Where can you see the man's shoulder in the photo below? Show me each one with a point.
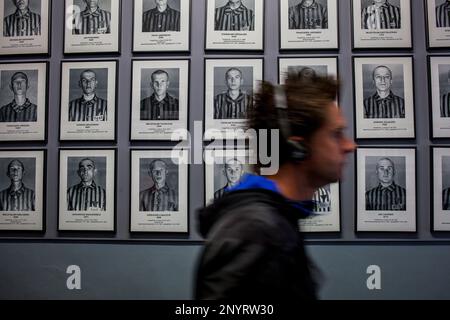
(397, 97)
(172, 98)
(5, 107)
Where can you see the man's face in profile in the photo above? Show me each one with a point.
(160, 84)
(15, 171)
(385, 171)
(21, 4)
(19, 86)
(233, 171)
(234, 80)
(88, 82)
(383, 78)
(159, 172)
(86, 170)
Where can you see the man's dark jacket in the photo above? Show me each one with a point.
(253, 250)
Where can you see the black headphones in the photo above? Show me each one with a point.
(298, 151)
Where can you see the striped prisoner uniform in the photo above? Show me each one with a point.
(19, 200)
(155, 21)
(443, 15)
(241, 18)
(22, 25)
(164, 199)
(392, 198)
(322, 200)
(446, 199)
(384, 108)
(92, 110)
(166, 109)
(84, 198)
(219, 193)
(15, 113)
(97, 22)
(314, 16)
(386, 16)
(227, 108)
(445, 105)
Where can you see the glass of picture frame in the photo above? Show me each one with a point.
(26, 27)
(234, 25)
(22, 190)
(386, 189)
(87, 190)
(384, 97)
(159, 191)
(309, 25)
(23, 101)
(438, 24)
(88, 100)
(322, 66)
(161, 26)
(382, 24)
(440, 195)
(93, 29)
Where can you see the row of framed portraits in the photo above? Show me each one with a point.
(383, 97)
(164, 26)
(385, 190)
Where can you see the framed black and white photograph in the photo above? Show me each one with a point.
(88, 100)
(87, 190)
(439, 73)
(312, 66)
(440, 199)
(92, 26)
(224, 169)
(160, 99)
(234, 25)
(326, 211)
(384, 97)
(161, 25)
(23, 101)
(26, 27)
(438, 23)
(159, 191)
(382, 24)
(22, 190)
(229, 88)
(309, 24)
(386, 189)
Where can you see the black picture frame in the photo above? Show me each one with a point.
(230, 35)
(173, 233)
(410, 105)
(64, 231)
(185, 38)
(70, 50)
(311, 45)
(19, 46)
(94, 64)
(392, 40)
(384, 221)
(43, 132)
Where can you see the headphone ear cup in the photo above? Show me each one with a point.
(299, 151)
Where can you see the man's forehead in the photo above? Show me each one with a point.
(160, 76)
(233, 72)
(385, 163)
(87, 163)
(88, 74)
(335, 118)
(15, 163)
(382, 70)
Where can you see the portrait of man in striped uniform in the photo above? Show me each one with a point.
(443, 14)
(380, 14)
(88, 107)
(93, 19)
(20, 109)
(162, 17)
(322, 200)
(17, 197)
(234, 16)
(233, 171)
(383, 104)
(387, 195)
(23, 22)
(445, 94)
(86, 195)
(308, 14)
(160, 105)
(234, 102)
(159, 197)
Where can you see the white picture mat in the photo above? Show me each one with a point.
(285, 63)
